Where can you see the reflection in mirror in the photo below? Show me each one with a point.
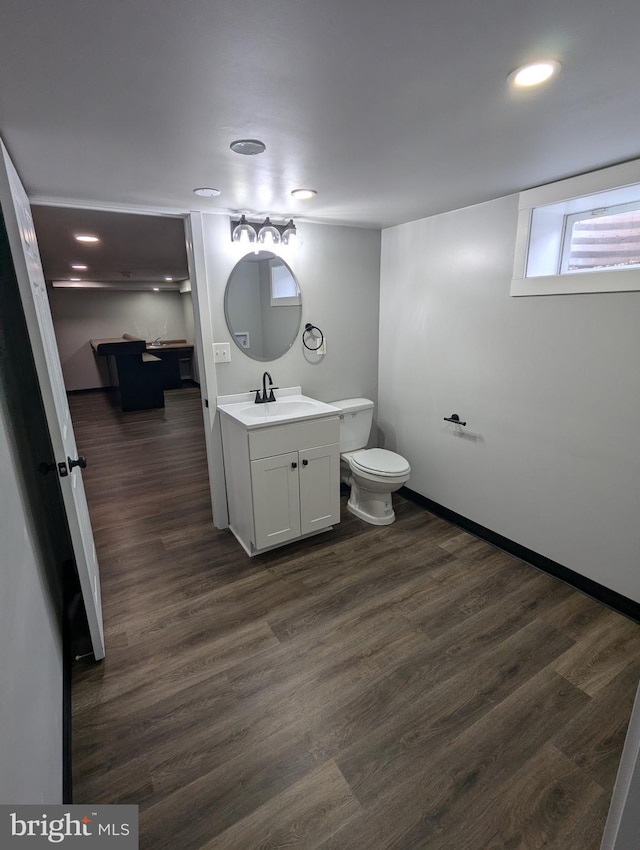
(263, 306)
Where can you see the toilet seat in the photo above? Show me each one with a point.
(379, 462)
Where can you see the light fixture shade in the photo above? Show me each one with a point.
(303, 194)
(290, 233)
(243, 231)
(532, 75)
(268, 233)
(248, 147)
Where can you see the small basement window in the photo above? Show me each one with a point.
(604, 238)
(580, 235)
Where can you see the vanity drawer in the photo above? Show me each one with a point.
(293, 436)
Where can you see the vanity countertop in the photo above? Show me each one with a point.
(290, 406)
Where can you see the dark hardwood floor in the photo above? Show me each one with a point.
(400, 687)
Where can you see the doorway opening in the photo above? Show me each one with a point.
(132, 283)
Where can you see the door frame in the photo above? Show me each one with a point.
(203, 324)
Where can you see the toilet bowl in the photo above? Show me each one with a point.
(372, 474)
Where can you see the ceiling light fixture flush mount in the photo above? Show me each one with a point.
(303, 194)
(248, 147)
(206, 192)
(533, 74)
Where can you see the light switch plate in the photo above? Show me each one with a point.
(221, 352)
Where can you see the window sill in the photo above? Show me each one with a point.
(618, 280)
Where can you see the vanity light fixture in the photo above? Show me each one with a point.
(268, 233)
(303, 194)
(533, 74)
(290, 233)
(242, 231)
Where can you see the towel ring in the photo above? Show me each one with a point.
(308, 328)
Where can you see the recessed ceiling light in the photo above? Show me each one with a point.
(79, 267)
(75, 278)
(248, 147)
(168, 278)
(156, 289)
(205, 192)
(85, 237)
(303, 194)
(534, 74)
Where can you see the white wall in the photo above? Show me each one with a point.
(33, 547)
(186, 302)
(338, 272)
(549, 385)
(83, 314)
(31, 656)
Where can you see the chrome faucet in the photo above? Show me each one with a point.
(264, 398)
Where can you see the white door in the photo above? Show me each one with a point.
(28, 269)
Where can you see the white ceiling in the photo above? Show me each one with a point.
(133, 249)
(391, 110)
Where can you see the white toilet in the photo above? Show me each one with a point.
(372, 474)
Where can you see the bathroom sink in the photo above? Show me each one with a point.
(291, 408)
(280, 409)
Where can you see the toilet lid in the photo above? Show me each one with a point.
(380, 461)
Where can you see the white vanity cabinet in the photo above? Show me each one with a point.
(283, 480)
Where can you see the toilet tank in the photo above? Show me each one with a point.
(355, 423)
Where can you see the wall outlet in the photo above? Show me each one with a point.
(222, 352)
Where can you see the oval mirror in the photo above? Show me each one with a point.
(263, 306)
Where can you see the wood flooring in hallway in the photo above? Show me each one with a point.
(400, 687)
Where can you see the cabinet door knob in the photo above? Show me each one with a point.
(294, 465)
(305, 462)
